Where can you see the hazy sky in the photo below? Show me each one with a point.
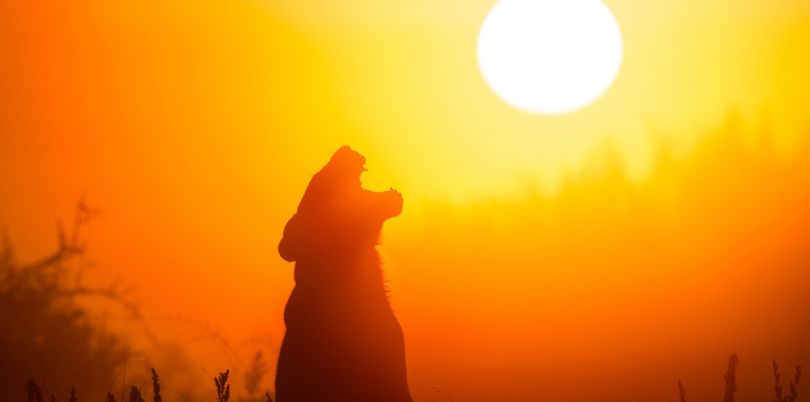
(196, 125)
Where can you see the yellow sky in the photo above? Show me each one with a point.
(401, 71)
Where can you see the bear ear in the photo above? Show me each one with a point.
(289, 246)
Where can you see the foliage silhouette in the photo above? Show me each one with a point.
(342, 341)
(46, 332)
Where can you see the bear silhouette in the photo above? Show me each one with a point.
(342, 340)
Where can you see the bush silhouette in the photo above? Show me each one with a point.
(46, 334)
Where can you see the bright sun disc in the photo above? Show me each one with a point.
(549, 56)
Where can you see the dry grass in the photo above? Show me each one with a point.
(793, 391)
(33, 392)
(223, 388)
(731, 383)
(156, 386)
(731, 379)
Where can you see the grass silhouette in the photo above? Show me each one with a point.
(731, 379)
(731, 383)
(793, 392)
(33, 393)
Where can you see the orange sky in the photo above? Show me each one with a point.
(525, 265)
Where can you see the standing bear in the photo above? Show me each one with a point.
(343, 342)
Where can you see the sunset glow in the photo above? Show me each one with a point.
(598, 255)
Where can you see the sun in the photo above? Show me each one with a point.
(549, 56)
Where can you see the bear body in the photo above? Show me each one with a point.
(342, 340)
